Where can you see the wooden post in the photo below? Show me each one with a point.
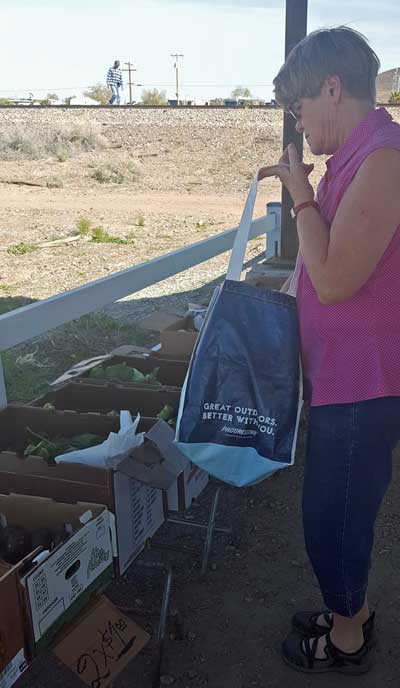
(296, 29)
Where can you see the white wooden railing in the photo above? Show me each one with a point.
(27, 322)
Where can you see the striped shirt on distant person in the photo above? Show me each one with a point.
(114, 77)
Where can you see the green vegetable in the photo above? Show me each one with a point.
(42, 446)
(126, 373)
(148, 379)
(86, 440)
(44, 453)
(137, 376)
(49, 407)
(119, 371)
(97, 372)
(167, 413)
(154, 374)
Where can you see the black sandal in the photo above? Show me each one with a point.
(306, 624)
(299, 653)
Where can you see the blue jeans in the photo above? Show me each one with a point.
(348, 468)
(115, 98)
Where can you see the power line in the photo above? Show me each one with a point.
(53, 88)
(205, 85)
(155, 83)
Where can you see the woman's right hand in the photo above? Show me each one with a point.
(293, 174)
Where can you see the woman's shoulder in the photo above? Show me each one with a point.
(387, 136)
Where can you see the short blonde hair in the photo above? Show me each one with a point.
(339, 51)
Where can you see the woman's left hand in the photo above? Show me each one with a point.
(293, 174)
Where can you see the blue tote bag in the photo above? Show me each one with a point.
(241, 400)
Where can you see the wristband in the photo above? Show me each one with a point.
(307, 204)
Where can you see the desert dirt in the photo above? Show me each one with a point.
(191, 174)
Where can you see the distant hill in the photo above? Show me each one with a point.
(384, 85)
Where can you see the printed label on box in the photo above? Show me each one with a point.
(67, 572)
(13, 670)
(139, 514)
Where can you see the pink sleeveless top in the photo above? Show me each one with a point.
(351, 351)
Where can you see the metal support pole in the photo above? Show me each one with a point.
(196, 524)
(165, 605)
(3, 392)
(296, 29)
(160, 635)
(210, 532)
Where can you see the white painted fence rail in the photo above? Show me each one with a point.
(27, 322)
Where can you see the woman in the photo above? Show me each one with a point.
(348, 295)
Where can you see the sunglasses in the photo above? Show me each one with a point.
(295, 115)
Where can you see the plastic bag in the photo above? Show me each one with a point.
(115, 448)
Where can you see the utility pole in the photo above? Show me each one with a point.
(130, 69)
(296, 29)
(176, 56)
(396, 81)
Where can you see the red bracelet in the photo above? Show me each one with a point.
(307, 204)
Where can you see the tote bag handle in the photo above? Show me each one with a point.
(242, 235)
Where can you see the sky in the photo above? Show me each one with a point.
(63, 46)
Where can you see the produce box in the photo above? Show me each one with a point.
(104, 398)
(12, 637)
(177, 333)
(56, 584)
(14, 670)
(138, 507)
(190, 480)
(171, 373)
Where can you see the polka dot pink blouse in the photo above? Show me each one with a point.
(351, 351)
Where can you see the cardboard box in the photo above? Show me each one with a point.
(177, 334)
(100, 644)
(83, 398)
(172, 373)
(12, 637)
(103, 398)
(14, 670)
(138, 508)
(56, 586)
(159, 462)
(189, 479)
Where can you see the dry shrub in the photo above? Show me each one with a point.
(116, 173)
(54, 183)
(19, 145)
(62, 142)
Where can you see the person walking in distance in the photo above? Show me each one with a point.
(115, 83)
